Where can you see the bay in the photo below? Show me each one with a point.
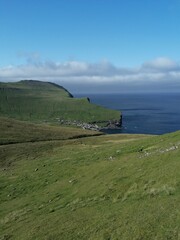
(152, 113)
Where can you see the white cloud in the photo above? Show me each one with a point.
(161, 63)
(161, 72)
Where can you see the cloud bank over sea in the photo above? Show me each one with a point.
(160, 74)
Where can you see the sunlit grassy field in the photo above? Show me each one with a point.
(98, 187)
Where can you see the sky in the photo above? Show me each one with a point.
(95, 46)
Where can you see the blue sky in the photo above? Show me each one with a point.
(95, 45)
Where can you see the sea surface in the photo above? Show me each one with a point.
(156, 113)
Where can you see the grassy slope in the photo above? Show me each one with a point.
(41, 101)
(106, 187)
(14, 131)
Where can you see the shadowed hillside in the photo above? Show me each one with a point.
(15, 131)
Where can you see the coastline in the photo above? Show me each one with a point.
(95, 126)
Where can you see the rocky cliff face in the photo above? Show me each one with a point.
(114, 124)
(111, 124)
(95, 126)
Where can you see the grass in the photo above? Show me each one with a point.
(102, 187)
(14, 131)
(47, 102)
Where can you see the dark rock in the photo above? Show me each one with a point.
(95, 126)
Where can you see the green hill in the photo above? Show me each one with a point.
(103, 187)
(43, 101)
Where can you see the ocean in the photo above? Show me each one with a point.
(156, 113)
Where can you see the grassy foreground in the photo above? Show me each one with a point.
(103, 187)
